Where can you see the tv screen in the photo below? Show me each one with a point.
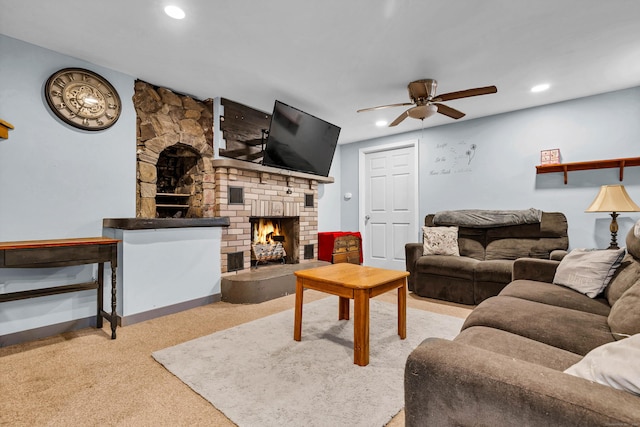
(299, 141)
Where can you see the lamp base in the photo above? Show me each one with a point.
(613, 228)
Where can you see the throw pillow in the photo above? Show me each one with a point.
(616, 364)
(624, 317)
(441, 241)
(588, 271)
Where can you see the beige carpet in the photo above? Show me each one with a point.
(84, 378)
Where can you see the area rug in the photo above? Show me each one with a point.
(257, 375)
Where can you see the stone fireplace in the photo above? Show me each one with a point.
(178, 177)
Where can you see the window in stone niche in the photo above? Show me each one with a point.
(179, 183)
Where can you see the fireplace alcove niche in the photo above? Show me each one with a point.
(179, 183)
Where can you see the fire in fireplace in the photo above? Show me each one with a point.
(274, 240)
(267, 241)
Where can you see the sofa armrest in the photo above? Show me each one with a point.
(452, 384)
(541, 270)
(558, 254)
(412, 252)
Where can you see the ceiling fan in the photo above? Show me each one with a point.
(426, 103)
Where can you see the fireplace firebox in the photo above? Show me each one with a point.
(274, 240)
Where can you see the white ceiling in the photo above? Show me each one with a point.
(332, 57)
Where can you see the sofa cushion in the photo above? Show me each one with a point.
(470, 244)
(559, 296)
(448, 266)
(571, 330)
(588, 271)
(498, 271)
(633, 240)
(624, 277)
(554, 224)
(624, 319)
(440, 241)
(509, 248)
(616, 365)
(518, 347)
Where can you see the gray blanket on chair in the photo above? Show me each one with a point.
(475, 218)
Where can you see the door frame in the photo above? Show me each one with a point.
(362, 175)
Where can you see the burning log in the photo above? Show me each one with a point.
(267, 244)
(268, 251)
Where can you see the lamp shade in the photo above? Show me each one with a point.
(613, 198)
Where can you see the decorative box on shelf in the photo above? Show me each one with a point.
(550, 157)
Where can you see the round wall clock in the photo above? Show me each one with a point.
(82, 98)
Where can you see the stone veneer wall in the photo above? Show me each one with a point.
(265, 195)
(165, 119)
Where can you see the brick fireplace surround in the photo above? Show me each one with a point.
(268, 192)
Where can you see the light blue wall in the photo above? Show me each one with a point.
(329, 199)
(57, 181)
(499, 171)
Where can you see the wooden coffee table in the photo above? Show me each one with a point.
(360, 283)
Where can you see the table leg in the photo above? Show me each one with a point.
(114, 316)
(343, 308)
(361, 327)
(402, 310)
(100, 295)
(297, 324)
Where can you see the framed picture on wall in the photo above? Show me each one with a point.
(550, 157)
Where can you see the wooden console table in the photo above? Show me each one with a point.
(64, 253)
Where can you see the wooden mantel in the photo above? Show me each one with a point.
(4, 129)
(596, 164)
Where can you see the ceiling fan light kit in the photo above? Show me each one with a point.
(425, 102)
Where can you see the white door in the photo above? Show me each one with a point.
(389, 206)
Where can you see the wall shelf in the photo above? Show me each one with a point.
(596, 164)
(4, 129)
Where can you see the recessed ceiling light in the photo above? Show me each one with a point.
(175, 12)
(540, 88)
(381, 123)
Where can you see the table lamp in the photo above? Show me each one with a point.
(614, 199)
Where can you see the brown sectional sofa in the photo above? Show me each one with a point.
(486, 259)
(506, 366)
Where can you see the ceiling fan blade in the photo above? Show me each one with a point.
(399, 119)
(466, 93)
(448, 111)
(384, 106)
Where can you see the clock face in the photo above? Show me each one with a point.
(83, 99)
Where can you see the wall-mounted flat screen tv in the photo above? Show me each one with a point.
(299, 141)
